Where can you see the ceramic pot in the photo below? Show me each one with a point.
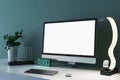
(12, 54)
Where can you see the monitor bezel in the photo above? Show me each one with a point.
(88, 19)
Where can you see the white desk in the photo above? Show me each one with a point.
(77, 74)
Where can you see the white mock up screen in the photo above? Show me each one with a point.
(75, 38)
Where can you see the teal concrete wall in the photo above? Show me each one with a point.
(17, 14)
(30, 15)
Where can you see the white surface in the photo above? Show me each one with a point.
(113, 43)
(71, 38)
(77, 74)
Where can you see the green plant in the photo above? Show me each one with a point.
(11, 40)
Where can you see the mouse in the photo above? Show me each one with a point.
(68, 75)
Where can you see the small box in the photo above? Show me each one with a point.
(44, 62)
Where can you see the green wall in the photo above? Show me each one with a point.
(30, 15)
(17, 14)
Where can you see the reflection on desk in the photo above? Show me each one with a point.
(77, 74)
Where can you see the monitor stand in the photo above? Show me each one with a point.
(63, 64)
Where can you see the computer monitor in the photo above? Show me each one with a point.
(70, 41)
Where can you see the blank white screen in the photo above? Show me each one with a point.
(70, 38)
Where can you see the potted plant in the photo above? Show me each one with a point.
(12, 44)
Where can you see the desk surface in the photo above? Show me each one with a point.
(76, 74)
